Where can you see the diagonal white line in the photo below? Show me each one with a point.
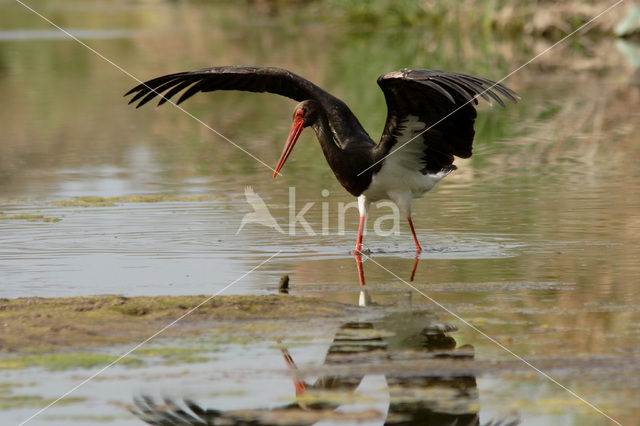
(163, 329)
(141, 82)
(496, 83)
(476, 329)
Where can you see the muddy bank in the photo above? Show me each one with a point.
(36, 325)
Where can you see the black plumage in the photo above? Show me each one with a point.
(427, 94)
(445, 102)
(249, 79)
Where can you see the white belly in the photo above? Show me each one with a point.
(400, 185)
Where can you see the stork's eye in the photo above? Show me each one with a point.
(299, 114)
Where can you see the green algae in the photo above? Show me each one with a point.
(79, 418)
(12, 401)
(91, 201)
(55, 333)
(176, 355)
(29, 217)
(337, 397)
(63, 361)
(45, 325)
(84, 202)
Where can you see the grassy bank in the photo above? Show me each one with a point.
(34, 325)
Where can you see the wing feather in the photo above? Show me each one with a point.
(445, 103)
(279, 81)
(151, 95)
(440, 89)
(469, 87)
(176, 88)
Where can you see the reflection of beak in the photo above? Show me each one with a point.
(294, 133)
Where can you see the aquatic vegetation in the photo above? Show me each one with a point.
(12, 401)
(63, 361)
(88, 201)
(28, 216)
(171, 355)
(39, 325)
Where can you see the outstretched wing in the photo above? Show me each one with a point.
(250, 79)
(418, 100)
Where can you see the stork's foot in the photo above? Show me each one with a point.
(359, 251)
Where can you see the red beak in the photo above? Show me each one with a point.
(294, 133)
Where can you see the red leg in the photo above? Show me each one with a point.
(415, 238)
(360, 232)
(300, 385)
(358, 258)
(415, 266)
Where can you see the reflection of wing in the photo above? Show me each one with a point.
(169, 413)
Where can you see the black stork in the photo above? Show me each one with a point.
(429, 121)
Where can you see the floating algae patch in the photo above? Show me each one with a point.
(37, 325)
(29, 217)
(557, 405)
(175, 355)
(162, 198)
(63, 361)
(10, 400)
(23, 401)
(111, 201)
(84, 202)
(79, 418)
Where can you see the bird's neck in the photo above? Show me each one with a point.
(326, 137)
(345, 162)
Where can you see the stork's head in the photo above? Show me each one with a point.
(304, 115)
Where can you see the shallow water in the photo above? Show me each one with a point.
(535, 239)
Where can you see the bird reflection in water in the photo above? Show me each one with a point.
(398, 348)
(365, 298)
